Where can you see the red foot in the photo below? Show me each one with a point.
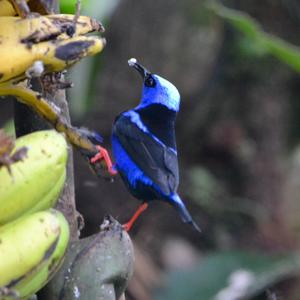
(129, 224)
(103, 154)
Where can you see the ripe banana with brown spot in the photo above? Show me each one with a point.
(35, 182)
(56, 40)
(32, 249)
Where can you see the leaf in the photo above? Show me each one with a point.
(69, 6)
(282, 50)
(223, 271)
(9, 128)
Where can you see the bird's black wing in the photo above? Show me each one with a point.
(157, 161)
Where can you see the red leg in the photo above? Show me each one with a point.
(103, 154)
(129, 224)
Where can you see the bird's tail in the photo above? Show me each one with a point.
(184, 214)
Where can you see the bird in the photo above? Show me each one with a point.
(144, 145)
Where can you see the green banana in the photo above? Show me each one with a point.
(36, 182)
(32, 249)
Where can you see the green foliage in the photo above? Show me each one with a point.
(211, 195)
(251, 273)
(258, 40)
(68, 6)
(9, 127)
(204, 188)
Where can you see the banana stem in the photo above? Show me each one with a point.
(47, 111)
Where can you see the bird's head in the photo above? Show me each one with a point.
(156, 90)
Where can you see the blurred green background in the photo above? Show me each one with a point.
(236, 65)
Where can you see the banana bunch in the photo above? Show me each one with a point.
(32, 249)
(38, 45)
(33, 240)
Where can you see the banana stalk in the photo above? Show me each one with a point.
(48, 112)
(36, 182)
(32, 249)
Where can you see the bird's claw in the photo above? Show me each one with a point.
(103, 155)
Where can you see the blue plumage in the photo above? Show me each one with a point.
(164, 93)
(144, 144)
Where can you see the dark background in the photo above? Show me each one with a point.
(237, 135)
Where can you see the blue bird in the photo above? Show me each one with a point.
(144, 145)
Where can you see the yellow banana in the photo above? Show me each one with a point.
(6, 8)
(55, 40)
(56, 56)
(23, 9)
(32, 249)
(37, 181)
(15, 30)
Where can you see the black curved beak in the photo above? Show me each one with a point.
(132, 62)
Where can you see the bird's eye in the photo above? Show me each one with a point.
(150, 81)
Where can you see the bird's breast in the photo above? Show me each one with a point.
(159, 121)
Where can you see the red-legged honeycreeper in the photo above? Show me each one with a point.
(144, 145)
